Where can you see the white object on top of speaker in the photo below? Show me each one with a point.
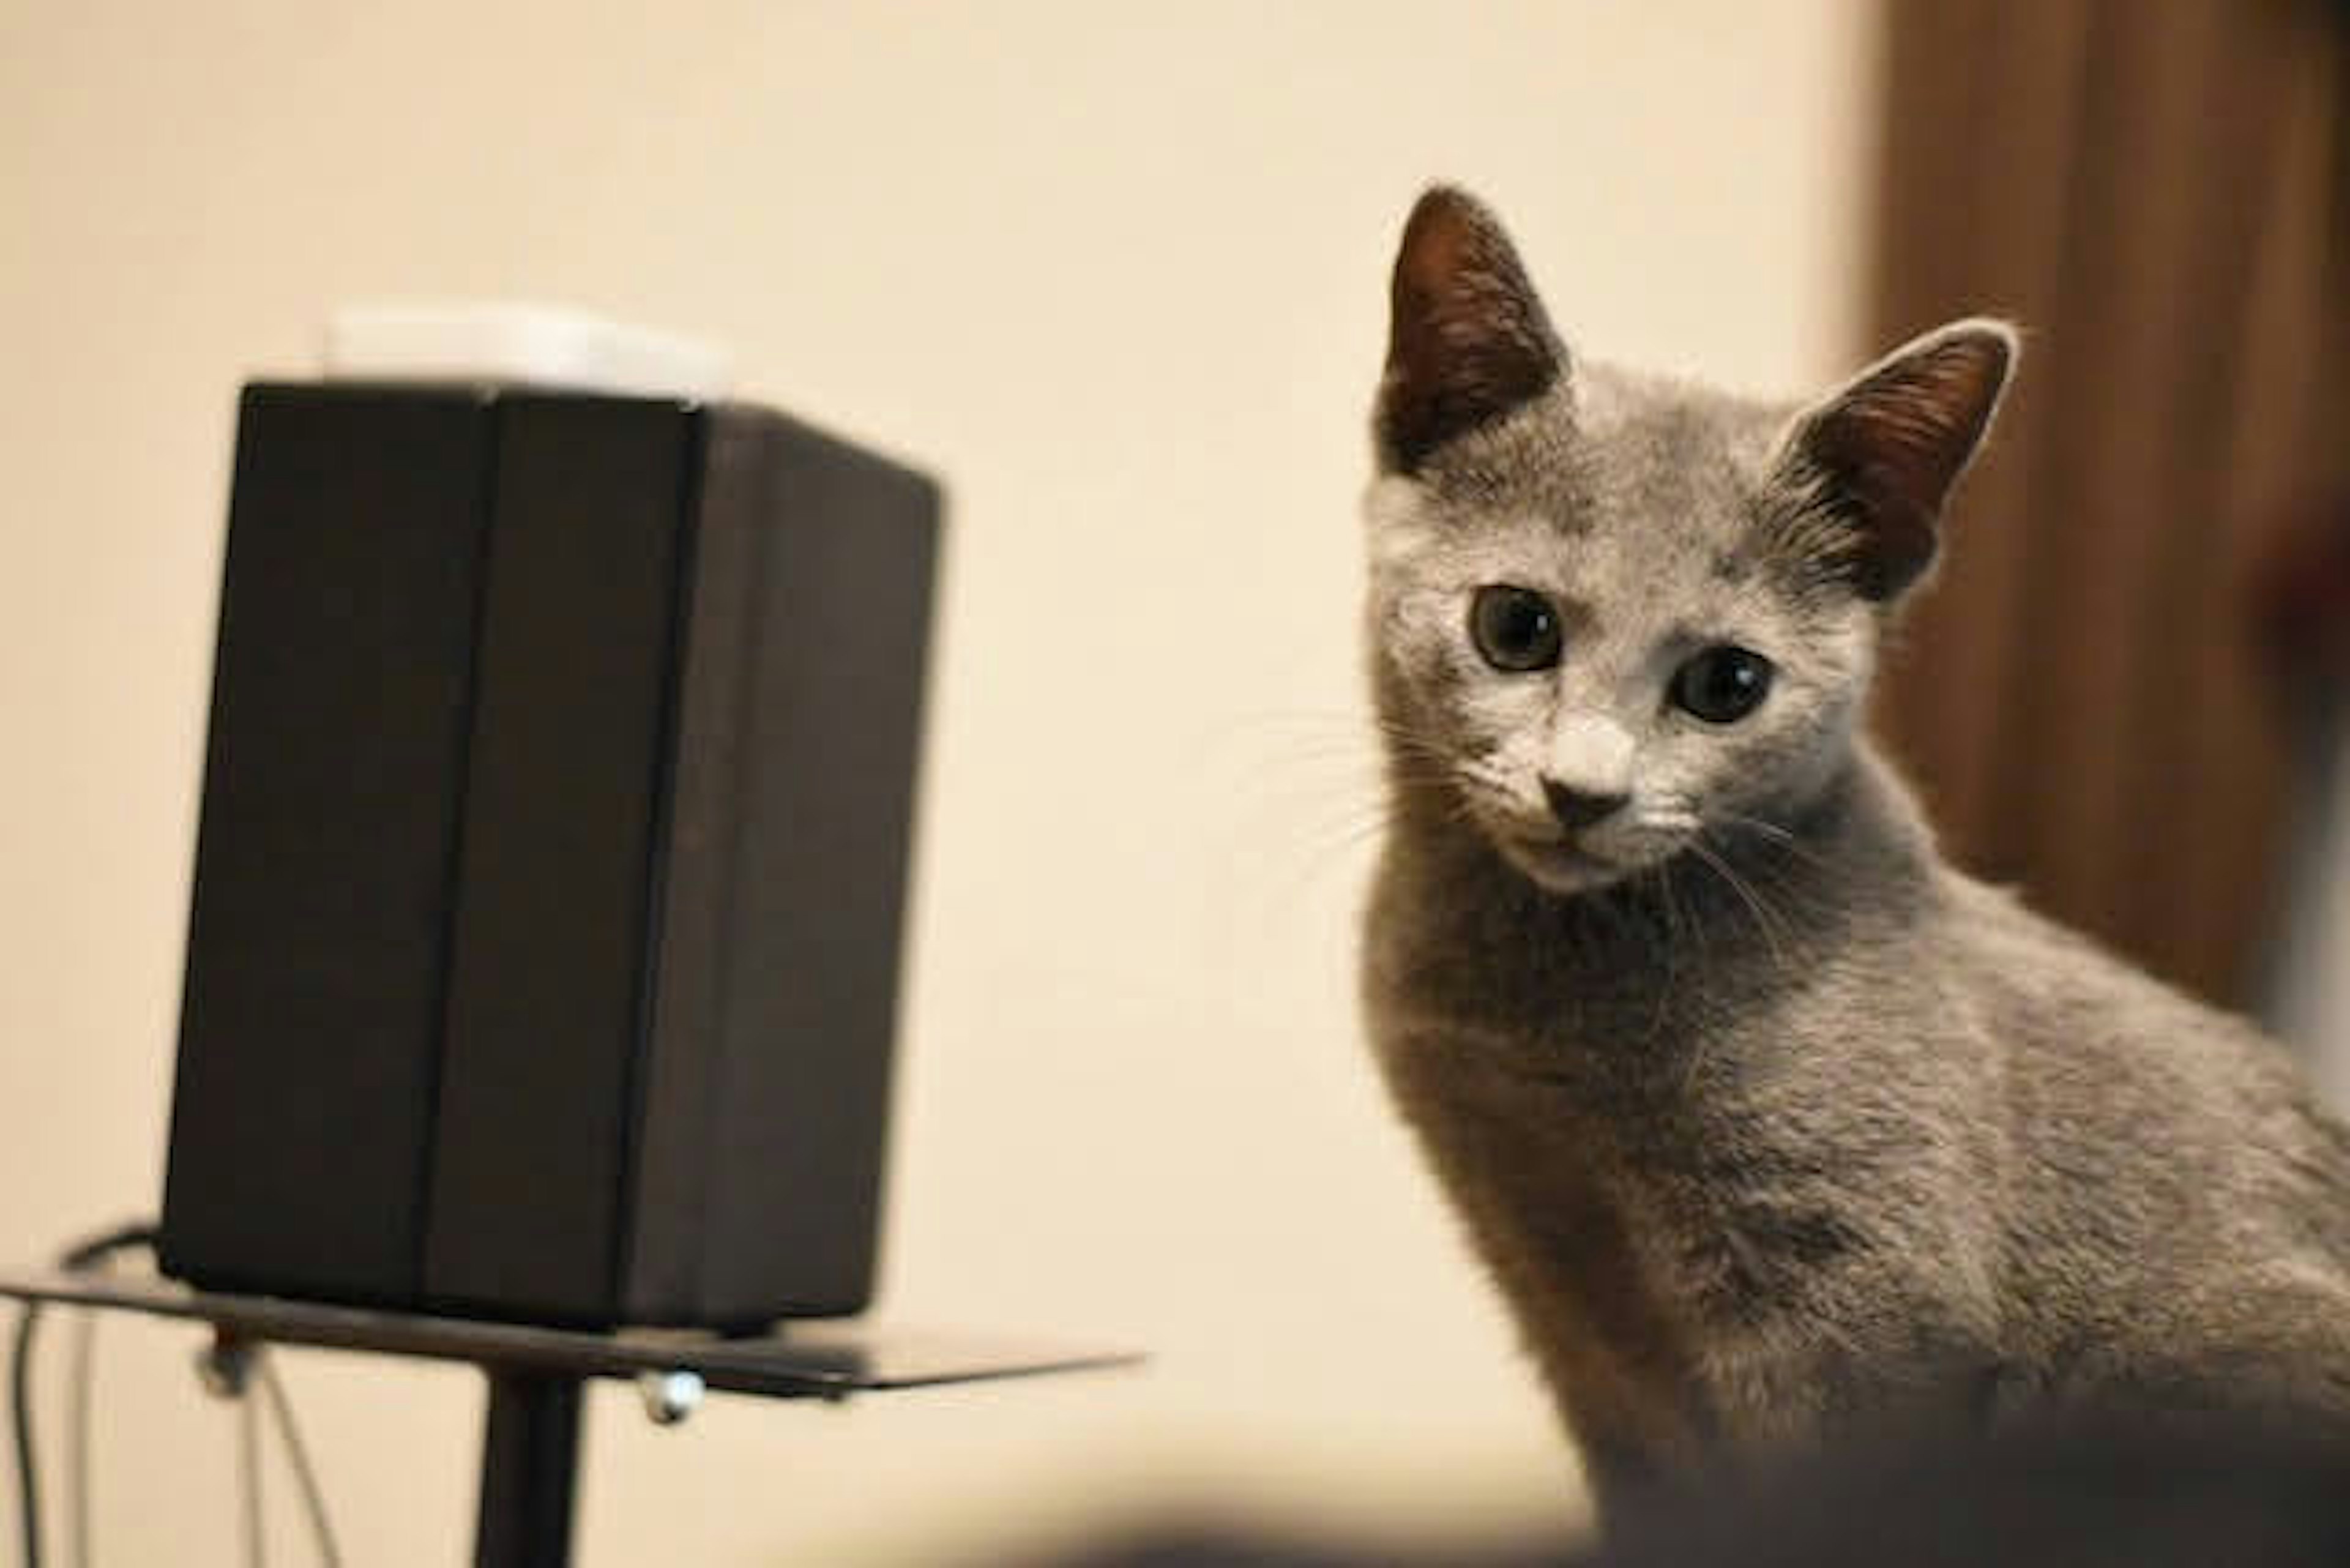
(530, 345)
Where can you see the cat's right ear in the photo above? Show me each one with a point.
(1468, 340)
(1880, 455)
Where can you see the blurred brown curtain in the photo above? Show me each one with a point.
(2152, 188)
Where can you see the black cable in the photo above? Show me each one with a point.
(313, 1498)
(20, 1397)
(85, 1362)
(248, 1444)
(92, 1250)
(84, 1255)
(88, 1254)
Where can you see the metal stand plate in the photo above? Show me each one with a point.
(530, 1446)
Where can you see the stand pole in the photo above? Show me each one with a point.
(530, 1469)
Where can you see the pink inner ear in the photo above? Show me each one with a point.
(1468, 341)
(1927, 414)
(1894, 443)
(1436, 251)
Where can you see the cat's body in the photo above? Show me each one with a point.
(1771, 1126)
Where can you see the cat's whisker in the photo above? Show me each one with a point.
(1323, 794)
(1781, 837)
(1670, 907)
(1765, 924)
(1292, 742)
(1309, 858)
(1802, 877)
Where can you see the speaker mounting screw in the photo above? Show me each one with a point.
(670, 1396)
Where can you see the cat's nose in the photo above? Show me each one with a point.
(1577, 809)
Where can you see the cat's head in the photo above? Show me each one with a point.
(1611, 612)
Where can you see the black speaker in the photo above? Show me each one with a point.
(542, 957)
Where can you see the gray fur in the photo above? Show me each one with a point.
(1771, 1125)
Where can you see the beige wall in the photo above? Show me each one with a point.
(2310, 1005)
(1118, 273)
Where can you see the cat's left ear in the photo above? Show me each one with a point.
(1881, 454)
(1468, 340)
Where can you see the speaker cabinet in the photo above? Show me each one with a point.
(542, 957)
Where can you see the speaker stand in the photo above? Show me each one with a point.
(530, 1438)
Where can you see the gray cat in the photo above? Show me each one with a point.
(1771, 1125)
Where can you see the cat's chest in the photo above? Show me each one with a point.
(1645, 1157)
(1620, 1261)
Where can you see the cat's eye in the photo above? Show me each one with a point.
(1515, 629)
(1722, 684)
